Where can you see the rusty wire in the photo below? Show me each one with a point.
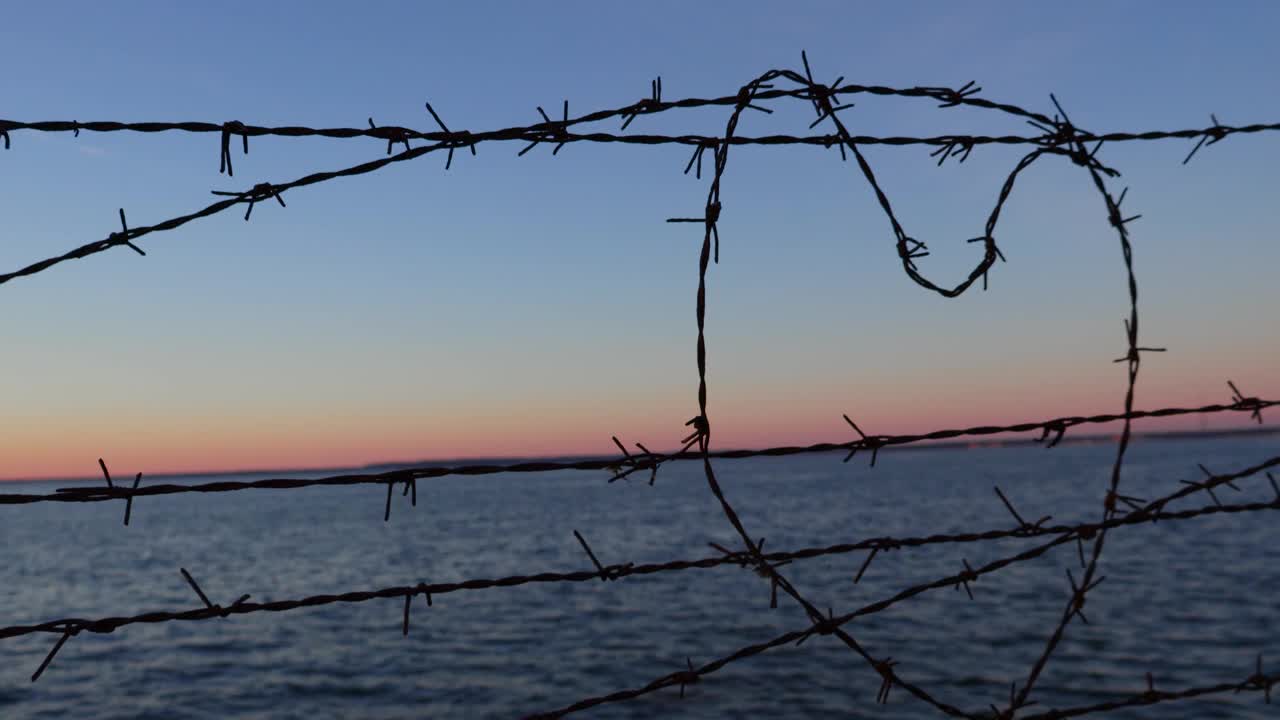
(1057, 137)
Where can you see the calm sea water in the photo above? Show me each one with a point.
(1193, 601)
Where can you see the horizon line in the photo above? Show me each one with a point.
(384, 466)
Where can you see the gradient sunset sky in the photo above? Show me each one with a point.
(537, 305)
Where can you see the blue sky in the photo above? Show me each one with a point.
(540, 304)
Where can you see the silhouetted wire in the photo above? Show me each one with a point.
(1058, 137)
(1153, 512)
(558, 131)
(622, 466)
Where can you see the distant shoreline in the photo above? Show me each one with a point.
(978, 442)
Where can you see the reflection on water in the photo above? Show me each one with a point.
(1193, 601)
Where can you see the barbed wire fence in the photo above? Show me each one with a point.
(1056, 136)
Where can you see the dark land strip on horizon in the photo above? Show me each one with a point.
(977, 443)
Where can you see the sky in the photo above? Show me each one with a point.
(537, 305)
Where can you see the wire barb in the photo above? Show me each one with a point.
(687, 677)
(393, 135)
(887, 678)
(464, 138)
(128, 503)
(1022, 524)
(1208, 136)
(122, 237)
(234, 127)
(49, 657)
(651, 104)
(873, 442)
(1252, 404)
(1078, 595)
(217, 610)
(606, 573)
(1258, 681)
(258, 193)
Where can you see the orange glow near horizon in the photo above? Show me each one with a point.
(57, 448)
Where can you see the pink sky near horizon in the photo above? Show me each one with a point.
(59, 448)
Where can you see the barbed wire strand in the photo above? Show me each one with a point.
(1064, 139)
(1059, 138)
(625, 465)
(558, 131)
(1155, 512)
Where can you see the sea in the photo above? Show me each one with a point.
(1192, 602)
